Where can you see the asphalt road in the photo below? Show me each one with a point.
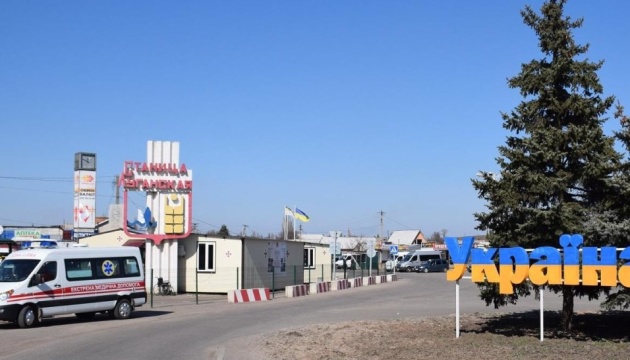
(208, 327)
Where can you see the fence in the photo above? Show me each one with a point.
(325, 272)
(225, 279)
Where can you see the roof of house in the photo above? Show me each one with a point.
(345, 242)
(406, 237)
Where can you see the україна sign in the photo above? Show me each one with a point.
(543, 265)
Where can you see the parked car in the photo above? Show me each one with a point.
(390, 264)
(348, 259)
(433, 265)
(414, 259)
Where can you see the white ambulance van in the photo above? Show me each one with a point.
(40, 283)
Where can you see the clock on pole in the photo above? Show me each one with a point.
(85, 161)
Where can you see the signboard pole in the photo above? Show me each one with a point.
(335, 259)
(334, 252)
(457, 309)
(370, 253)
(393, 250)
(542, 314)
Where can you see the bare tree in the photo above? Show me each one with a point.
(359, 245)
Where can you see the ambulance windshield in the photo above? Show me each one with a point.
(15, 270)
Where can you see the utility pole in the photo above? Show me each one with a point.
(382, 213)
(116, 179)
(244, 230)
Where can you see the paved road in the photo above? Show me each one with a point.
(179, 328)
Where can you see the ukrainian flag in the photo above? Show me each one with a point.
(300, 215)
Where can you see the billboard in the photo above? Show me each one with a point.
(167, 213)
(84, 200)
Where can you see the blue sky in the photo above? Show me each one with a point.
(341, 108)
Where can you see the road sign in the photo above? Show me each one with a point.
(393, 249)
(371, 253)
(335, 248)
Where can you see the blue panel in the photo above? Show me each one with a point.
(515, 255)
(459, 254)
(8, 234)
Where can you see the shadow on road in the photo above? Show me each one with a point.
(610, 326)
(69, 319)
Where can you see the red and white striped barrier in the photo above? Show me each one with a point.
(296, 290)
(392, 277)
(356, 282)
(381, 279)
(339, 284)
(249, 295)
(369, 280)
(319, 287)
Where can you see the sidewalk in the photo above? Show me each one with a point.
(184, 299)
(160, 301)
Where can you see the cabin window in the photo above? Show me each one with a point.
(309, 258)
(48, 271)
(206, 256)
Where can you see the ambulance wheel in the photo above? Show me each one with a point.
(28, 317)
(122, 309)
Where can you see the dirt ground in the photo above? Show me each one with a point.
(511, 336)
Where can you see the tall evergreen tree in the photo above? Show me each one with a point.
(558, 166)
(224, 231)
(613, 226)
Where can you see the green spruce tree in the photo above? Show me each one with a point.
(224, 231)
(613, 225)
(558, 167)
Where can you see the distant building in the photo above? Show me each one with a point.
(16, 237)
(216, 264)
(406, 238)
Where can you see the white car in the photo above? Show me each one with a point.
(348, 258)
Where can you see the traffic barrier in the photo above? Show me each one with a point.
(392, 277)
(381, 279)
(319, 287)
(296, 290)
(369, 280)
(339, 285)
(356, 282)
(249, 295)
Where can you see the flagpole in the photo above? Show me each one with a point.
(285, 224)
(294, 212)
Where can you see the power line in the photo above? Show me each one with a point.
(52, 179)
(46, 191)
(23, 222)
(39, 178)
(408, 227)
(207, 223)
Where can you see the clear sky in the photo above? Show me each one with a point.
(341, 108)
